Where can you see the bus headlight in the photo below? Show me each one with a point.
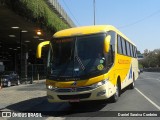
(99, 84)
(50, 87)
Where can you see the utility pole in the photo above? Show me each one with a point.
(94, 7)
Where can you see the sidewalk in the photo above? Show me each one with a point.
(39, 81)
(23, 96)
(28, 82)
(34, 81)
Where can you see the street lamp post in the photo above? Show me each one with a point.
(23, 57)
(21, 52)
(94, 11)
(20, 38)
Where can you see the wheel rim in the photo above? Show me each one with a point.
(133, 83)
(117, 91)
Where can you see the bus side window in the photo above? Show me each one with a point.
(124, 47)
(119, 45)
(131, 50)
(111, 55)
(135, 52)
(128, 49)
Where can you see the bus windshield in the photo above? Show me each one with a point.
(76, 57)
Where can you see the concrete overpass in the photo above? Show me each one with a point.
(19, 22)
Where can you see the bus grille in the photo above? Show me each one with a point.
(78, 89)
(79, 96)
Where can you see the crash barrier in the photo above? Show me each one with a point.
(157, 69)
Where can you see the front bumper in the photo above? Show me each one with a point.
(99, 93)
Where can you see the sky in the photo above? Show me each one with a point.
(139, 20)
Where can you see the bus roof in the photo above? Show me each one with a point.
(86, 30)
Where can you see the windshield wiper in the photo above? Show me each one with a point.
(77, 57)
(80, 62)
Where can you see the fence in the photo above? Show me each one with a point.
(35, 72)
(60, 11)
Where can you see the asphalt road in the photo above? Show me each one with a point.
(145, 97)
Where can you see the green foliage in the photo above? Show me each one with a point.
(151, 59)
(140, 65)
(40, 10)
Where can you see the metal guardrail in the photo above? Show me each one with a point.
(57, 8)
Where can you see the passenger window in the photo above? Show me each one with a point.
(131, 50)
(136, 52)
(110, 56)
(128, 49)
(124, 46)
(119, 45)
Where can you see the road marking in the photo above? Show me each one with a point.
(55, 118)
(158, 107)
(157, 80)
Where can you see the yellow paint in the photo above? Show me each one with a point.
(120, 68)
(85, 30)
(80, 83)
(39, 48)
(107, 43)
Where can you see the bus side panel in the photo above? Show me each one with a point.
(126, 69)
(135, 67)
(123, 67)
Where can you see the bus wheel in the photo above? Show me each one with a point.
(114, 98)
(132, 85)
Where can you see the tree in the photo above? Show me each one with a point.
(151, 58)
(146, 52)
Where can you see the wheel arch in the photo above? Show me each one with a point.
(119, 82)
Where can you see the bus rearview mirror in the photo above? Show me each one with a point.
(39, 48)
(107, 43)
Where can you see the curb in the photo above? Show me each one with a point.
(34, 82)
(39, 81)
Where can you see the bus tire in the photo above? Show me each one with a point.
(132, 85)
(115, 97)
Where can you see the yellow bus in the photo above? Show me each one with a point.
(89, 63)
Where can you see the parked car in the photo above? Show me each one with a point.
(9, 78)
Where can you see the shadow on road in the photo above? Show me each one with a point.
(41, 105)
(25, 105)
